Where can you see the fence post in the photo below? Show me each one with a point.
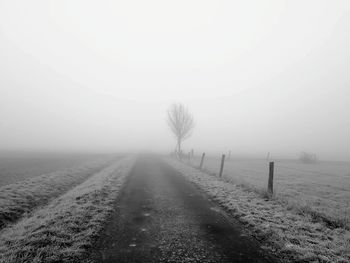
(222, 165)
(270, 183)
(202, 161)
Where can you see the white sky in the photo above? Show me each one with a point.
(99, 75)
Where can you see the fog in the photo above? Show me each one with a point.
(258, 76)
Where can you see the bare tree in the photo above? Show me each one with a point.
(181, 123)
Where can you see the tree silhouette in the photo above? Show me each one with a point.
(181, 123)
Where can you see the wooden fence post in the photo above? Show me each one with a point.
(202, 161)
(270, 183)
(222, 165)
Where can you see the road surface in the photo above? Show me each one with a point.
(161, 217)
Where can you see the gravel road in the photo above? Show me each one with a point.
(160, 217)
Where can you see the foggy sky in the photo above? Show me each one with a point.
(258, 76)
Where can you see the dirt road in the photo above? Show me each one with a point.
(160, 217)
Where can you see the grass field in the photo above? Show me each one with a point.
(64, 228)
(293, 237)
(22, 197)
(18, 166)
(322, 189)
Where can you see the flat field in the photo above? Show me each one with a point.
(55, 217)
(321, 190)
(18, 166)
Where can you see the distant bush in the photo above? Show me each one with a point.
(306, 157)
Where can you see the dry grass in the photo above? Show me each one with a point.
(293, 237)
(320, 190)
(22, 197)
(64, 230)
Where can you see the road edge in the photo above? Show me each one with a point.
(290, 237)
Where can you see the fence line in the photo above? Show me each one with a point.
(249, 170)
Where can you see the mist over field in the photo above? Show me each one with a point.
(257, 76)
(174, 131)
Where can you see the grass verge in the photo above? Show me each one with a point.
(21, 198)
(64, 230)
(320, 189)
(291, 236)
